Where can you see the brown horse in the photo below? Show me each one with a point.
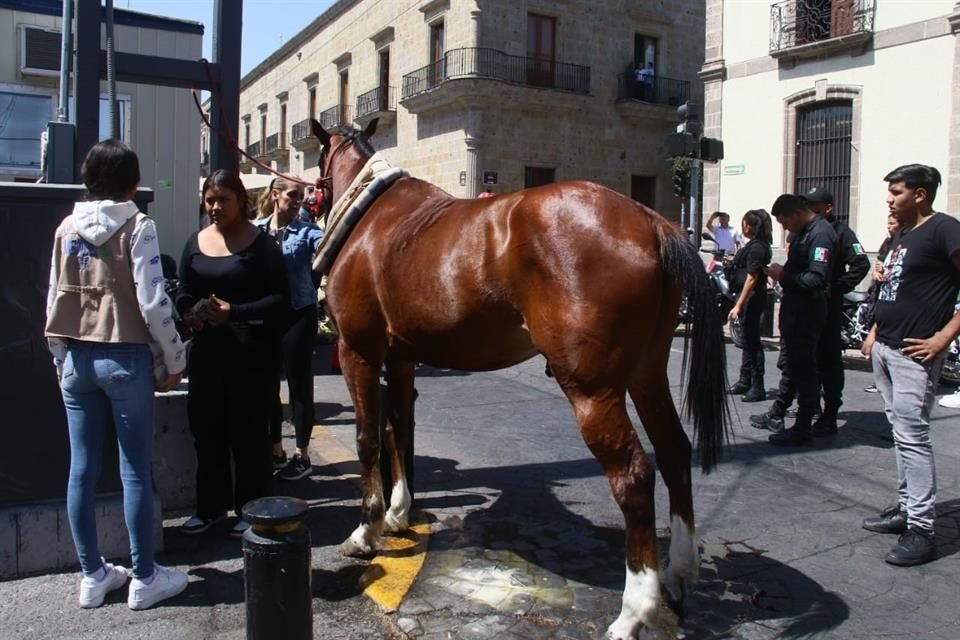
(575, 271)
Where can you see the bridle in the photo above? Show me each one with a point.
(325, 182)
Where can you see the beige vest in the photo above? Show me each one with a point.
(96, 300)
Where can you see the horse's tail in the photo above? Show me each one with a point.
(705, 401)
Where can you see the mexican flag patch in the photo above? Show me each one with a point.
(857, 249)
(821, 254)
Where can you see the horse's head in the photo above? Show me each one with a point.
(345, 151)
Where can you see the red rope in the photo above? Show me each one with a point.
(215, 90)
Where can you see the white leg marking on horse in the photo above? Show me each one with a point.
(641, 607)
(684, 565)
(397, 518)
(365, 539)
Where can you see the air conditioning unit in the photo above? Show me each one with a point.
(39, 51)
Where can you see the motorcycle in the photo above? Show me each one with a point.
(723, 295)
(857, 320)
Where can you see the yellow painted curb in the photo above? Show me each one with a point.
(392, 572)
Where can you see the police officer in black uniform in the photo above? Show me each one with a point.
(803, 310)
(849, 267)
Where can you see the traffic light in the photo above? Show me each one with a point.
(711, 149)
(689, 113)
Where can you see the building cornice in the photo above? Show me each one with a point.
(954, 19)
(713, 71)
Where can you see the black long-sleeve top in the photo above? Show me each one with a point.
(851, 262)
(253, 281)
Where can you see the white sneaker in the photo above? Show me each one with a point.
(93, 591)
(166, 583)
(951, 401)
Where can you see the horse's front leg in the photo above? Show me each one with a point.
(398, 435)
(363, 382)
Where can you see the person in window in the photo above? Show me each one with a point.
(299, 242)
(726, 237)
(646, 77)
(233, 293)
(915, 322)
(751, 281)
(106, 306)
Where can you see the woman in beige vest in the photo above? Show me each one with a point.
(105, 308)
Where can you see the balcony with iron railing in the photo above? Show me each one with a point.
(492, 64)
(378, 103)
(658, 90)
(302, 138)
(337, 115)
(275, 147)
(812, 28)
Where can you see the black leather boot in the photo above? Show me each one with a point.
(756, 392)
(738, 387)
(826, 424)
(798, 434)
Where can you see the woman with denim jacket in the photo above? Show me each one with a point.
(107, 316)
(278, 211)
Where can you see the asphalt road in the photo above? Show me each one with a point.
(525, 541)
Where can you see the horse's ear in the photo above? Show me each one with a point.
(371, 128)
(320, 132)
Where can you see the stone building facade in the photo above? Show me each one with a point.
(832, 93)
(485, 93)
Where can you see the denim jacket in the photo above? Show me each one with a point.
(299, 241)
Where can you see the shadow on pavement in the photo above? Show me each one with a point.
(737, 585)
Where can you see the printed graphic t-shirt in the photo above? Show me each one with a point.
(920, 283)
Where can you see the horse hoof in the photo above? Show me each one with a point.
(351, 549)
(393, 523)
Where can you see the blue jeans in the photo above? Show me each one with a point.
(907, 388)
(101, 381)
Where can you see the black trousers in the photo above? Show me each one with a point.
(227, 408)
(830, 356)
(750, 321)
(296, 350)
(801, 325)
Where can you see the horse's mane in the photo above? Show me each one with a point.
(354, 135)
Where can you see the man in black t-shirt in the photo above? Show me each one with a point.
(850, 266)
(914, 325)
(803, 311)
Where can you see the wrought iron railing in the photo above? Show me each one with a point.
(253, 149)
(658, 90)
(798, 22)
(377, 100)
(474, 62)
(300, 131)
(272, 143)
(338, 114)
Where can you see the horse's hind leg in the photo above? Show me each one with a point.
(662, 424)
(609, 434)
(363, 382)
(398, 435)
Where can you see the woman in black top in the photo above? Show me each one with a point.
(233, 292)
(750, 280)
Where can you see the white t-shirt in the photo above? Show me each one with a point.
(727, 238)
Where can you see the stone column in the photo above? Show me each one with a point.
(473, 144)
(713, 73)
(953, 171)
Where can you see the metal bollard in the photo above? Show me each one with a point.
(276, 569)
